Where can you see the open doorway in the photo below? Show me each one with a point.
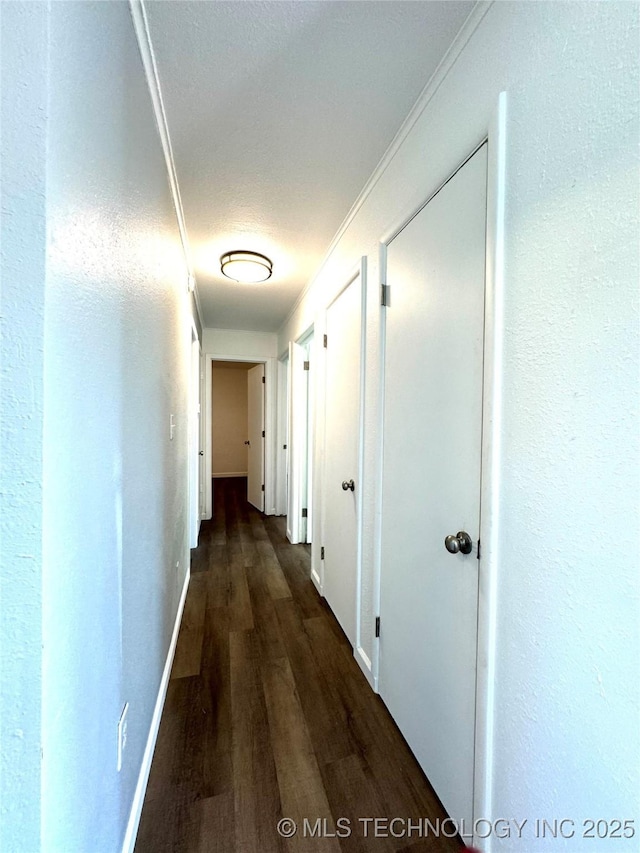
(237, 425)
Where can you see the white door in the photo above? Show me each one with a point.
(431, 480)
(341, 455)
(255, 419)
(298, 400)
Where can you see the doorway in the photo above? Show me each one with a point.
(237, 425)
(430, 549)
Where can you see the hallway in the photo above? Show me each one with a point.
(267, 713)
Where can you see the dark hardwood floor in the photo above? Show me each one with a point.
(268, 716)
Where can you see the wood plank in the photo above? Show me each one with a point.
(302, 793)
(218, 533)
(327, 729)
(276, 581)
(267, 626)
(256, 793)
(189, 646)
(352, 796)
(240, 612)
(212, 730)
(294, 560)
(215, 821)
(165, 778)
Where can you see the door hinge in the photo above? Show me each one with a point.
(263, 380)
(324, 341)
(263, 433)
(478, 549)
(385, 295)
(322, 553)
(306, 365)
(377, 626)
(304, 513)
(263, 487)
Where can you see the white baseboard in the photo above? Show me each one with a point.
(231, 474)
(365, 665)
(315, 577)
(143, 778)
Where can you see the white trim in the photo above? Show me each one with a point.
(377, 545)
(230, 474)
(365, 664)
(491, 455)
(315, 577)
(282, 436)
(361, 468)
(194, 434)
(296, 457)
(145, 768)
(143, 36)
(447, 62)
(317, 521)
(196, 297)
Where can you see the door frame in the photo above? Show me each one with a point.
(194, 427)
(270, 412)
(282, 435)
(300, 464)
(490, 509)
(250, 434)
(317, 566)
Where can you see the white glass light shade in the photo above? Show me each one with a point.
(246, 266)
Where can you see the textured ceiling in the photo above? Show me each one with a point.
(278, 113)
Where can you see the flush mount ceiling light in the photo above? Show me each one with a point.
(246, 266)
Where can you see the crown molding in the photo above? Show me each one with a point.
(141, 28)
(435, 81)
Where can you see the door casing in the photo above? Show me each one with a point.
(256, 436)
(195, 434)
(300, 387)
(270, 415)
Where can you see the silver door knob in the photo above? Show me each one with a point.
(348, 485)
(201, 453)
(460, 543)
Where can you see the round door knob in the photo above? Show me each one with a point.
(348, 485)
(247, 442)
(201, 453)
(460, 543)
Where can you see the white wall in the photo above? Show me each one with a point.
(223, 343)
(115, 341)
(23, 225)
(567, 697)
(229, 429)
